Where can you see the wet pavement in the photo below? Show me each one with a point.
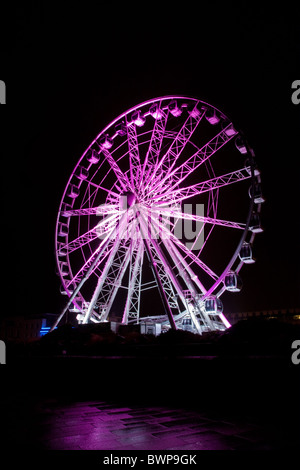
(231, 403)
(54, 424)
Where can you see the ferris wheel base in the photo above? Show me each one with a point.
(160, 324)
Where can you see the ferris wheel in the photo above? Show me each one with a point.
(158, 217)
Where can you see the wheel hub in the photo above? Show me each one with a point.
(127, 200)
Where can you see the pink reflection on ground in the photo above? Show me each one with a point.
(104, 426)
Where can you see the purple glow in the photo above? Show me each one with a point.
(127, 189)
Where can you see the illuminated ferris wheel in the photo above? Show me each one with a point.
(158, 217)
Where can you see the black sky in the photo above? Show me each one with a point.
(70, 70)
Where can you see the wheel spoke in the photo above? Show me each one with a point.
(169, 235)
(82, 271)
(177, 175)
(185, 267)
(170, 158)
(91, 268)
(104, 227)
(113, 280)
(191, 279)
(199, 218)
(104, 273)
(168, 271)
(134, 156)
(154, 149)
(174, 196)
(162, 267)
(121, 177)
(132, 304)
(103, 209)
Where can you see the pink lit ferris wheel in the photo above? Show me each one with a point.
(158, 218)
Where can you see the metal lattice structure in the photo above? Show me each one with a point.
(158, 217)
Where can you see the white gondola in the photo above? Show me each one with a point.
(62, 290)
(121, 128)
(155, 111)
(105, 142)
(256, 191)
(93, 156)
(230, 131)
(65, 209)
(193, 110)
(213, 305)
(212, 116)
(255, 223)
(61, 250)
(62, 229)
(228, 128)
(249, 163)
(73, 191)
(174, 109)
(246, 254)
(82, 173)
(240, 145)
(233, 282)
(64, 268)
(138, 119)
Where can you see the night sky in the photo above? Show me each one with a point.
(70, 71)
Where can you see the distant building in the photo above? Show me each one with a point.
(27, 328)
(23, 328)
(286, 315)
